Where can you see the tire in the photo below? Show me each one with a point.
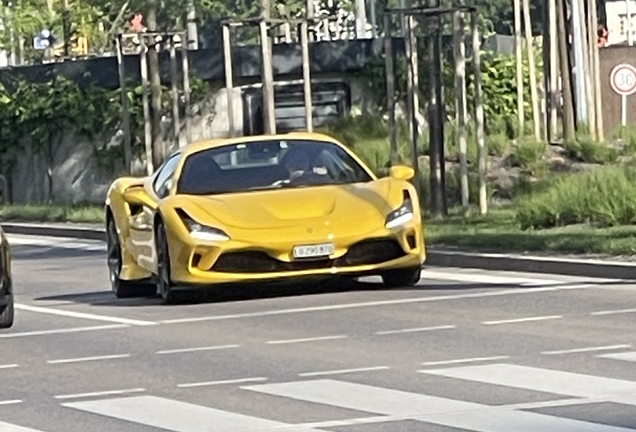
(7, 313)
(121, 288)
(402, 277)
(164, 283)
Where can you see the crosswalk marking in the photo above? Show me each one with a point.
(55, 242)
(546, 380)
(624, 356)
(179, 416)
(8, 427)
(429, 409)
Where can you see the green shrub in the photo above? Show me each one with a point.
(497, 145)
(528, 152)
(603, 197)
(587, 150)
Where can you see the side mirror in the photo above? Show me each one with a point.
(137, 195)
(402, 172)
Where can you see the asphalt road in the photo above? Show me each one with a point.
(466, 350)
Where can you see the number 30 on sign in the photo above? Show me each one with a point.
(623, 79)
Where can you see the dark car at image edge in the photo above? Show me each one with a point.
(6, 285)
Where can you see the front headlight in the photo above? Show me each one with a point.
(400, 216)
(202, 232)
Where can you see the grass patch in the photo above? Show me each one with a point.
(603, 197)
(501, 231)
(86, 213)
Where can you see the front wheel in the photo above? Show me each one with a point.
(164, 284)
(7, 313)
(402, 277)
(121, 288)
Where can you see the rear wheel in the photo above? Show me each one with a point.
(121, 288)
(164, 284)
(402, 277)
(7, 313)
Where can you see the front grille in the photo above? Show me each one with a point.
(363, 253)
(371, 252)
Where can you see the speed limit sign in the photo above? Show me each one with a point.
(623, 79)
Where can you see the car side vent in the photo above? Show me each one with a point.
(406, 195)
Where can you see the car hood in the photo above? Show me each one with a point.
(288, 207)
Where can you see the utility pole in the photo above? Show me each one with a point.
(519, 65)
(533, 73)
(568, 106)
(158, 151)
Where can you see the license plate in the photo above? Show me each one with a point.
(313, 251)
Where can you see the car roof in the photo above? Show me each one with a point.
(219, 142)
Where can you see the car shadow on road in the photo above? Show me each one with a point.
(261, 291)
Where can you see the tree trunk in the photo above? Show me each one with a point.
(158, 151)
(568, 106)
(519, 57)
(534, 98)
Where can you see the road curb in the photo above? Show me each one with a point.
(579, 267)
(77, 232)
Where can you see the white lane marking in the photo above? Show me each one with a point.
(88, 359)
(81, 315)
(8, 427)
(489, 279)
(343, 371)
(196, 349)
(546, 380)
(587, 349)
(62, 331)
(624, 356)
(429, 409)
(8, 366)
(222, 382)
(179, 416)
(100, 393)
(415, 330)
(613, 312)
(314, 339)
(465, 360)
(343, 306)
(521, 320)
(10, 402)
(57, 242)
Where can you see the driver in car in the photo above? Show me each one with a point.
(300, 169)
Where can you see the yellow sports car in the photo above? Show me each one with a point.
(261, 208)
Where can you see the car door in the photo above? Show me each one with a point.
(141, 225)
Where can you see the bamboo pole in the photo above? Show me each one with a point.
(143, 66)
(174, 93)
(309, 109)
(534, 97)
(390, 87)
(554, 67)
(596, 73)
(479, 117)
(568, 106)
(125, 115)
(229, 79)
(519, 66)
(460, 90)
(587, 62)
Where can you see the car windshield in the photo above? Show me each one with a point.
(269, 164)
